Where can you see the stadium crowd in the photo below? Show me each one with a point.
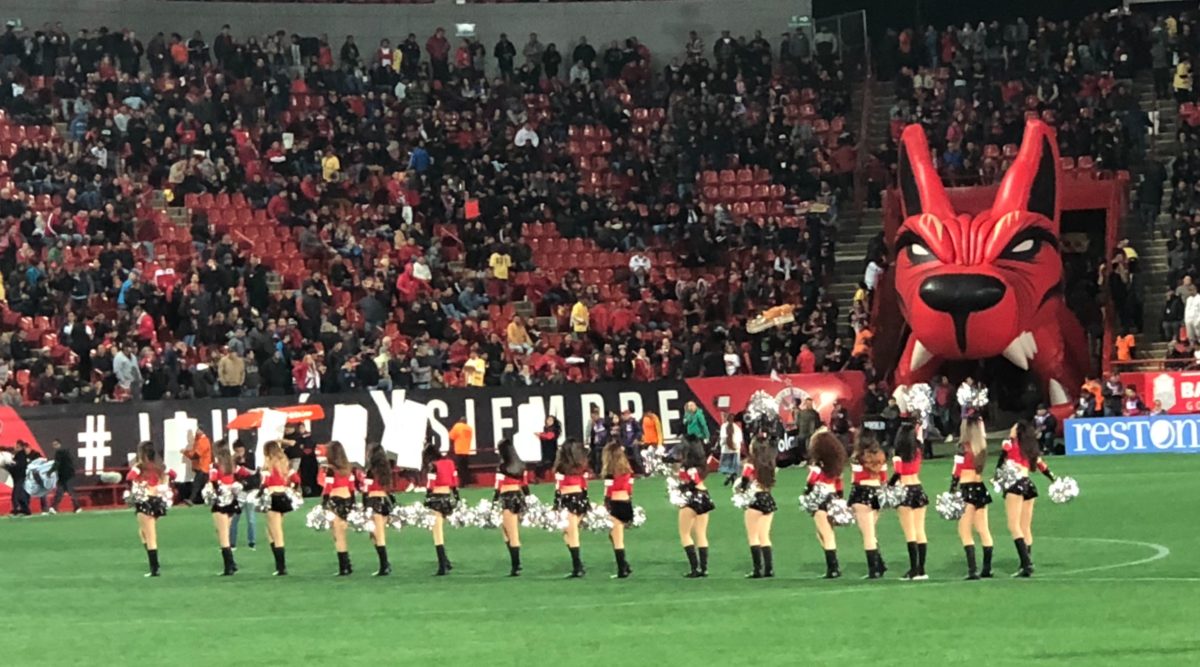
(421, 214)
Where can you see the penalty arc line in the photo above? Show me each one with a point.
(1160, 552)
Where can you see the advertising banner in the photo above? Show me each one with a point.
(1177, 391)
(104, 436)
(1133, 435)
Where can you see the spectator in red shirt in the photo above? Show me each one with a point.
(438, 48)
(806, 361)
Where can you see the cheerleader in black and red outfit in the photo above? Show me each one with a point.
(512, 486)
(693, 517)
(570, 494)
(1021, 449)
(342, 481)
(278, 479)
(907, 464)
(441, 498)
(618, 500)
(758, 477)
(222, 476)
(868, 472)
(968, 480)
(149, 471)
(827, 460)
(378, 498)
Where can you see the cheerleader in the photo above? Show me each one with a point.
(570, 494)
(512, 486)
(222, 476)
(378, 498)
(278, 480)
(758, 476)
(1021, 449)
(868, 472)
(149, 471)
(441, 498)
(618, 500)
(968, 480)
(693, 517)
(907, 463)
(342, 481)
(827, 459)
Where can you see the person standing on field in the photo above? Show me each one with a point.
(64, 467)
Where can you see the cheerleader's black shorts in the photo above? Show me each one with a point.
(281, 503)
(1024, 488)
(513, 501)
(864, 495)
(915, 497)
(700, 502)
(975, 494)
(442, 503)
(340, 506)
(763, 502)
(621, 510)
(575, 503)
(380, 504)
(153, 506)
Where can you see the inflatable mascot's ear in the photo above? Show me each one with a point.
(989, 285)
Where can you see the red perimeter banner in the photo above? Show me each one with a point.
(1178, 391)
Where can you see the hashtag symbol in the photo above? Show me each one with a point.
(93, 442)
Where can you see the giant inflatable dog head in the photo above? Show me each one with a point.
(973, 287)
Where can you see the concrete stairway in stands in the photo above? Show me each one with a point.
(1152, 248)
(857, 227)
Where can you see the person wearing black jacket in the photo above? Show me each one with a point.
(17, 470)
(243, 456)
(1172, 316)
(64, 467)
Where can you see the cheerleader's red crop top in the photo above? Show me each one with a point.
(691, 476)
(336, 480)
(903, 467)
(508, 480)
(275, 478)
(444, 473)
(372, 485)
(963, 462)
(860, 474)
(151, 479)
(618, 484)
(217, 477)
(563, 481)
(815, 476)
(1012, 452)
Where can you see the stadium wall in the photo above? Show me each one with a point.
(662, 25)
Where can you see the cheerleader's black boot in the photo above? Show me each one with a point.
(343, 564)
(986, 572)
(972, 573)
(756, 559)
(703, 553)
(443, 561)
(832, 570)
(227, 559)
(694, 572)
(912, 562)
(514, 557)
(577, 570)
(385, 566)
(768, 558)
(922, 549)
(280, 561)
(152, 557)
(1026, 570)
(623, 569)
(874, 564)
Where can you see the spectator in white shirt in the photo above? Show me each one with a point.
(526, 135)
(733, 360)
(784, 267)
(580, 73)
(873, 273)
(1191, 317)
(639, 262)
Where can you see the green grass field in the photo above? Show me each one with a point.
(1116, 584)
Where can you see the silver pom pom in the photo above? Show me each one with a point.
(675, 492)
(890, 497)
(138, 493)
(413, 515)
(655, 462)
(361, 519)
(1063, 490)
(762, 406)
(250, 498)
(972, 397)
(1005, 477)
(319, 518)
(920, 399)
(208, 494)
(227, 494)
(597, 519)
(950, 506)
(742, 499)
(639, 517)
(811, 502)
(167, 494)
(396, 519)
(839, 513)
